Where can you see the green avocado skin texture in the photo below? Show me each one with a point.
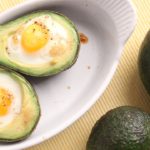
(144, 62)
(123, 128)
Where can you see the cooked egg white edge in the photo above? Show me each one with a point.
(57, 33)
(10, 84)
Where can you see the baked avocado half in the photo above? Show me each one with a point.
(19, 107)
(123, 128)
(42, 43)
(144, 62)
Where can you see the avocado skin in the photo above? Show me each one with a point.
(144, 62)
(123, 128)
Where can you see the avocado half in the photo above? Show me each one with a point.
(144, 62)
(123, 128)
(44, 69)
(25, 121)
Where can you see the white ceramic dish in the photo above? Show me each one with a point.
(65, 97)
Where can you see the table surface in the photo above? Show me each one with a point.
(125, 87)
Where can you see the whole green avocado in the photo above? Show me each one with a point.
(144, 62)
(123, 128)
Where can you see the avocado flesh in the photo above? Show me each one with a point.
(39, 70)
(25, 122)
(144, 62)
(123, 128)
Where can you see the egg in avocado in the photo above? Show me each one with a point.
(19, 107)
(39, 44)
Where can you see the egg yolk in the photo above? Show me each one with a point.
(5, 101)
(34, 37)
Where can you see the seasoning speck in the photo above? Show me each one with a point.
(83, 38)
(68, 87)
(88, 67)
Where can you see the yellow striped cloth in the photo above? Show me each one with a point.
(124, 89)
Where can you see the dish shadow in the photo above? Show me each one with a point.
(39, 80)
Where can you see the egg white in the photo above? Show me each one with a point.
(11, 85)
(58, 35)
